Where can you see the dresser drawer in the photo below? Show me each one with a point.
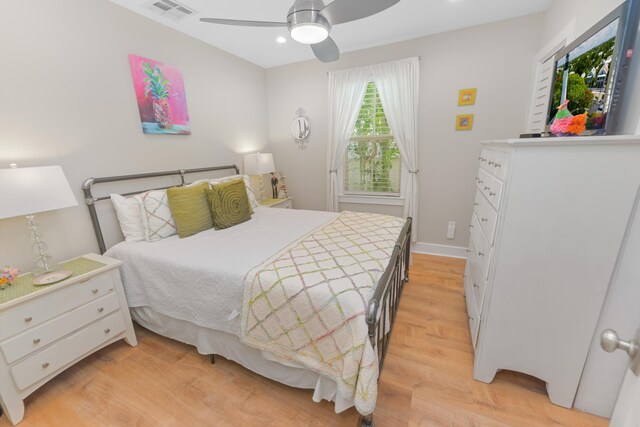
(50, 360)
(41, 336)
(473, 316)
(491, 187)
(495, 162)
(487, 216)
(20, 318)
(482, 248)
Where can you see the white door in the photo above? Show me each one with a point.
(627, 410)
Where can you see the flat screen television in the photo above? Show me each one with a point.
(592, 71)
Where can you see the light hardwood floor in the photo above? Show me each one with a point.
(427, 379)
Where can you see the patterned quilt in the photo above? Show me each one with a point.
(308, 302)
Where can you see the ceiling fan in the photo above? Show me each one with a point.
(310, 21)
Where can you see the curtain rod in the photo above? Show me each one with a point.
(419, 59)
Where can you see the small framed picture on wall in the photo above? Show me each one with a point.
(467, 96)
(464, 122)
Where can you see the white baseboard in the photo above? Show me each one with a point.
(440, 250)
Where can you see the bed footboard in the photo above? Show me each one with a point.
(383, 307)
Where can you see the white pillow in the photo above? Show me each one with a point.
(156, 216)
(128, 213)
(247, 184)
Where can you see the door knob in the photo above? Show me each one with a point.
(610, 342)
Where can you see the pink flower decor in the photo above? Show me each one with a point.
(7, 276)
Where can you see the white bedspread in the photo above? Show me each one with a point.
(200, 279)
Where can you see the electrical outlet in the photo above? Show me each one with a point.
(451, 230)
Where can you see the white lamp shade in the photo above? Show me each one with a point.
(26, 191)
(258, 164)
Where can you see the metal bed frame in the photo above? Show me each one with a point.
(381, 308)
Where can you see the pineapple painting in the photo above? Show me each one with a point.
(158, 86)
(161, 98)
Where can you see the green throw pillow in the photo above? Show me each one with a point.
(229, 204)
(190, 209)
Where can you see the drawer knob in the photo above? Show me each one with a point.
(94, 291)
(100, 309)
(484, 219)
(45, 365)
(491, 163)
(486, 188)
(480, 181)
(492, 194)
(36, 340)
(106, 331)
(496, 165)
(470, 225)
(468, 251)
(28, 319)
(475, 285)
(480, 254)
(476, 204)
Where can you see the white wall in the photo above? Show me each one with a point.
(496, 58)
(67, 98)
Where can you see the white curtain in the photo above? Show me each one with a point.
(398, 88)
(346, 92)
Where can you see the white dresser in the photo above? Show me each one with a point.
(549, 219)
(43, 331)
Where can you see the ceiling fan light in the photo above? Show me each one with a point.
(309, 33)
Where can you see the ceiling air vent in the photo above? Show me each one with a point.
(171, 9)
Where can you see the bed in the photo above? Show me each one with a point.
(305, 298)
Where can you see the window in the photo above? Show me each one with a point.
(372, 164)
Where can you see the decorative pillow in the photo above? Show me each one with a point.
(190, 209)
(229, 204)
(156, 215)
(247, 183)
(128, 213)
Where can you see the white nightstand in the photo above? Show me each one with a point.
(277, 203)
(46, 329)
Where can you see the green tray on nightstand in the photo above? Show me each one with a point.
(23, 285)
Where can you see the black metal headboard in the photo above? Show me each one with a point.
(90, 200)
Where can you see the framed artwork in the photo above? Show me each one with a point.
(162, 102)
(467, 96)
(464, 122)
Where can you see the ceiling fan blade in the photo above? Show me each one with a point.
(341, 11)
(243, 23)
(326, 51)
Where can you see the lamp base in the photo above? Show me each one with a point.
(41, 271)
(44, 262)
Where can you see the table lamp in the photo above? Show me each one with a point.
(27, 191)
(259, 164)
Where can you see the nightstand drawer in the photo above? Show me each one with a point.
(20, 318)
(287, 204)
(50, 360)
(41, 336)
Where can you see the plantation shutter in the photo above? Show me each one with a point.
(541, 96)
(372, 159)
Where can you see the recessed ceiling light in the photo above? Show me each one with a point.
(281, 40)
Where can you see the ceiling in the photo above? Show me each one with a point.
(406, 20)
